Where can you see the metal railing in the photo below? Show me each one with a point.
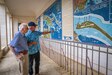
(79, 58)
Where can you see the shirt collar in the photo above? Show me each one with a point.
(30, 31)
(22, 34)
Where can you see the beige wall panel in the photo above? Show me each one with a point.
(41, 23)
(67, 19)
(15, 24)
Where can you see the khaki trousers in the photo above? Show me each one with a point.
(23, 65)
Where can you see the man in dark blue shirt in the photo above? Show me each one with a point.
(34, 47)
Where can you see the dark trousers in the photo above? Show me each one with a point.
(34, 57)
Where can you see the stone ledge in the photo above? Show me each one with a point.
(3, 52)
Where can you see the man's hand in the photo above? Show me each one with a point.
(32, 43)
(19, 56)
(24, 52)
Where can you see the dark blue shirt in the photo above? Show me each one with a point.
(33, 36)
(19, 43)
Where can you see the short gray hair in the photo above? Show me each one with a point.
(22, 25)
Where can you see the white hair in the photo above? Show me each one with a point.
(22, 25)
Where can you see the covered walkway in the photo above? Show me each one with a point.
(80, 45)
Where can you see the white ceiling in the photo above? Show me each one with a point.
(28, 7)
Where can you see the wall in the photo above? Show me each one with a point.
(67, 19)
(52, 20)
(72, 24)
(41, 22)
(15, 25)
(93, 21)
(3, 25)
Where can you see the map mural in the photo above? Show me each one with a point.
(38, 23)
(52, 20)
(93, 21)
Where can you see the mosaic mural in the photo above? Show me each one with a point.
(93, 21)
(52, 20)
(38, 23)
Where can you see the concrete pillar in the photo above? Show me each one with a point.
(67, 20)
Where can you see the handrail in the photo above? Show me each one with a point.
(91, 44)
(76, 56)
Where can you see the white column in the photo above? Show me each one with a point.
(67, 20)
(41, 22)
(15, 25)
(2, 25)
